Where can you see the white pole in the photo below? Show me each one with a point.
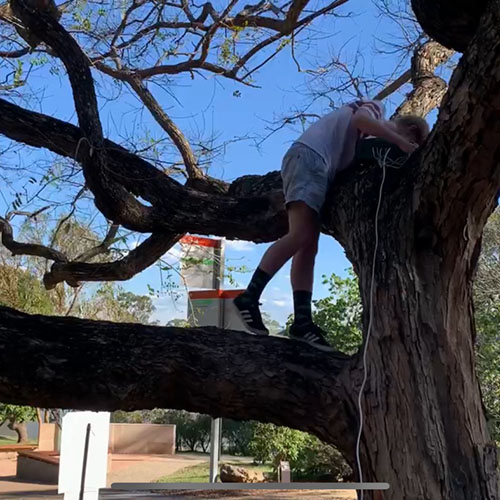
(216, 430)
(214, 449)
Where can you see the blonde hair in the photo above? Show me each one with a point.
(416, 125)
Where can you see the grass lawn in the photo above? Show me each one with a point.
(7, 441)
(200, 473)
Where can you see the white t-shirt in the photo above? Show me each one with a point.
(334, 137)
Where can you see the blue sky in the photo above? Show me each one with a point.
(208, 106)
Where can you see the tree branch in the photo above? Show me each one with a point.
(138, 259)
(112, 199)
(167, 124)
(17, 248)
(462, 157)
(258, 217)
(450, 23)
(82, 364)
(161, 117)
(15, 54)
(103, 247)
(428, 89)
(394, 86)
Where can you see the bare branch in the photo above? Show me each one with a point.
(17, 248)
(138, 259)
(161, 117)
(30, 215)
(111, 198)
(15, 54)
(168, 125)
(103, 247)
(394, 86)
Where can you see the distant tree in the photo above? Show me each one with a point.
(237, 436)
(487, 314)
(340, 313)
(16, 417)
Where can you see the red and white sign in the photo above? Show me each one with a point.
(202, 262)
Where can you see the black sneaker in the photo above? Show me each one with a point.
(310, 334)
(249, 313)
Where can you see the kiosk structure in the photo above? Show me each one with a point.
(202, 267)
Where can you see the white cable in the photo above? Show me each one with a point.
(382, 163)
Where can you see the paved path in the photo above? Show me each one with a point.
(149, 468)
(124, 469)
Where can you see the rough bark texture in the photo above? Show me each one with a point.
(428, 89)
(425, 429)
(74, 363)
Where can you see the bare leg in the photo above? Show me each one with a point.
(302, 233)
(302, 274)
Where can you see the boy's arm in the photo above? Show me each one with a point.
(367, 124)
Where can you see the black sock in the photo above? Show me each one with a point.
(302, 306)
(257, 284)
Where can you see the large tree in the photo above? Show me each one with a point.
(425, 428)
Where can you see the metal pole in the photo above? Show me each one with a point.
(220, 438)
(59, 423)
(214, 449)
(216, 427)
(85, 456)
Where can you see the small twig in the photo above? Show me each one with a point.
(394, 86)
(103, 247)
(73, 302)
(30, 215)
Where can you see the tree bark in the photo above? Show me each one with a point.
(21, 431)
(74, 363)
(452, 23)
(428, 89)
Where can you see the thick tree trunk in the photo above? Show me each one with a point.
(21, 431)
(424, 416)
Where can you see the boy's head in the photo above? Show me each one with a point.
(414, 128)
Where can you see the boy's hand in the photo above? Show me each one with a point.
(406, 146)
(368, 125)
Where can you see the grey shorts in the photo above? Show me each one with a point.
(305, 176)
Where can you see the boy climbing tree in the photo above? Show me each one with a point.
(308, 169)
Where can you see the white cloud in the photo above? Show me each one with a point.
(279, 303)
(167, 308)
(240, 245)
